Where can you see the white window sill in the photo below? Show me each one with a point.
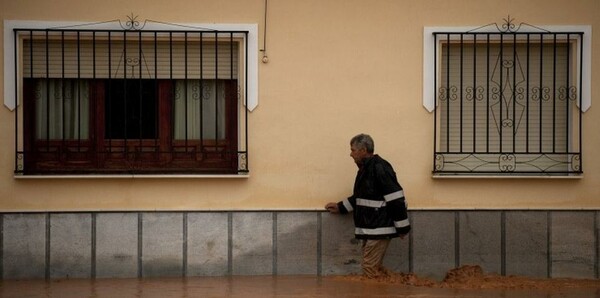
(533, 176)
(133, 176)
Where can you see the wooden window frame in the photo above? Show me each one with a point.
(100, 155)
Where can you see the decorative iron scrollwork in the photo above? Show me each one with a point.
(576, 163)
(439, 162)
(508, 63)
(476, 93)
(133, 61)
(507, 122)
(538, 93)
(496, 93)
(569, 93)
(242, 162)
(132, 24)
(20, 162)
(508, 26)
(450, 93)
(520, 93)
(507, 162)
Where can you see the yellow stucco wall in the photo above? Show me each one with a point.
(337, 68)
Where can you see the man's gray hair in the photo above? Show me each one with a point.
(363, 141)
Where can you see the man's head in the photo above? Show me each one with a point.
(361, 146)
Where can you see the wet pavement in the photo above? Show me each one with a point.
(256, 286)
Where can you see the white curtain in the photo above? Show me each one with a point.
(62, 109)
(203, 102)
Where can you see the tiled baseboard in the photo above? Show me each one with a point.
(539, 243)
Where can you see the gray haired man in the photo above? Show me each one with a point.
(378, 205)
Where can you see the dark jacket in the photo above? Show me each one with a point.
(378, 202)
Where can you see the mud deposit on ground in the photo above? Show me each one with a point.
(473, 277)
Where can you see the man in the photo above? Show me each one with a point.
(378, 204)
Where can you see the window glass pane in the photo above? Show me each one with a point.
(131, 111)
(62, 109)
(199, 109)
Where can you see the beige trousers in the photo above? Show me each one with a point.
(373, 253)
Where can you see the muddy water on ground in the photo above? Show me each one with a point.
(278, 286)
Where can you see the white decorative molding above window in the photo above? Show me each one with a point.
(430, 48)
(132, 24)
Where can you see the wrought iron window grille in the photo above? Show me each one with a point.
(507, 101)
(106, 101)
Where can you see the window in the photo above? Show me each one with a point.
(507, 103)
(131, 101)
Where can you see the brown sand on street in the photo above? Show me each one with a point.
(473, 277)
(466, 281)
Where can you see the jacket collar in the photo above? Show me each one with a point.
(367, 161)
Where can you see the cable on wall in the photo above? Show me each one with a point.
(265, 58)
